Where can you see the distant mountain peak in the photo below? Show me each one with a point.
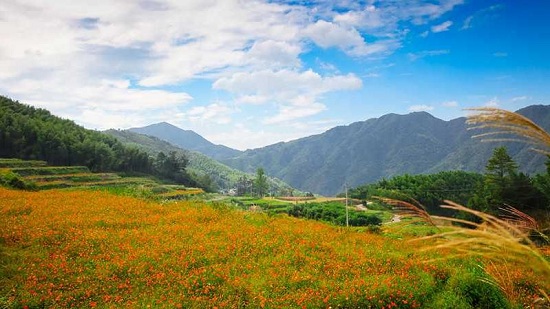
(186, 139)
(390, 145)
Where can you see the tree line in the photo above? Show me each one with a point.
(500, 184)
(32, 133)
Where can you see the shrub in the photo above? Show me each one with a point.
(12, 180)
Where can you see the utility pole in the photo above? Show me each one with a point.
(347, 212)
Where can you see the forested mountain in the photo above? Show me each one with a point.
(356, 154)
(187, 139)
(368, 151)
(203, 167)
(32, 133)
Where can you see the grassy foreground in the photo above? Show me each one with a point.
(67, 249)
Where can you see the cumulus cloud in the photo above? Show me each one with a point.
(219, 113)
(285, 84)
(299, 107)
(327, 34)
(295, 93)
(420, 108)
(126, 63)
(383, 18)
(442, 27)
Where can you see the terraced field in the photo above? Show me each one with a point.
(46, 177)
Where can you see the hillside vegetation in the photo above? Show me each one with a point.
(34, 134)
(83, 249)
(368, 151)
(31, 133)
(187, 139)
(37, 175)
(207, 171)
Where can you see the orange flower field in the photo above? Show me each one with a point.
(67, 249)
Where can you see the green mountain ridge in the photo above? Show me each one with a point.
(187, 139)
(200, 164)
(367, 151)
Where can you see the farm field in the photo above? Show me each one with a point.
(38, 175)
(82, 249)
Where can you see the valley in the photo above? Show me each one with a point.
(143, 223)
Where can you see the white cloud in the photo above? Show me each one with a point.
(275, 53)
(216, 112)
(520, 98)
(245, 135)
(372, 75)
(109, 63)
(450, 104)
(285, 84)
(326, 34)
(300, 107)
(442, 27)
(500, 54)
(467, 22)
(494, 102)
(383, 18)
(252, 99)
(420, 108)
(427, 53)
(369, 18)
(480, 16)
(295, 93)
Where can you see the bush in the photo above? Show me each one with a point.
(471, 289)
(334, 213)
(12, 180)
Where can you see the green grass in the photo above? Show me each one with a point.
(50, 170)
(13, 163)
(80, 177)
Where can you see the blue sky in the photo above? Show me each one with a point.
(247, 74)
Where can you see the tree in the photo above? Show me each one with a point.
(243, 185)
(260, 183)
(500, 167)
(172, 167)
(503, 184)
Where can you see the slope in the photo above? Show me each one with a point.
(222, 175)
(391, 145)
(187, 139)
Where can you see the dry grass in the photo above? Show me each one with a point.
(503, 244)
(507, 124)
(409, 210)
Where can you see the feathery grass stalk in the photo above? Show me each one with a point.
(508, 123)
(406, 209)
(498, 241)
(495, 240)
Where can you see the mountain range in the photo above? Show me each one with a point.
(366, 151)
(187, 139)
(223, 176)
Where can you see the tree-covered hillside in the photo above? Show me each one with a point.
(187, 139)
(201, 166)
(501, 184)
(391, 145)
(32, 133)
